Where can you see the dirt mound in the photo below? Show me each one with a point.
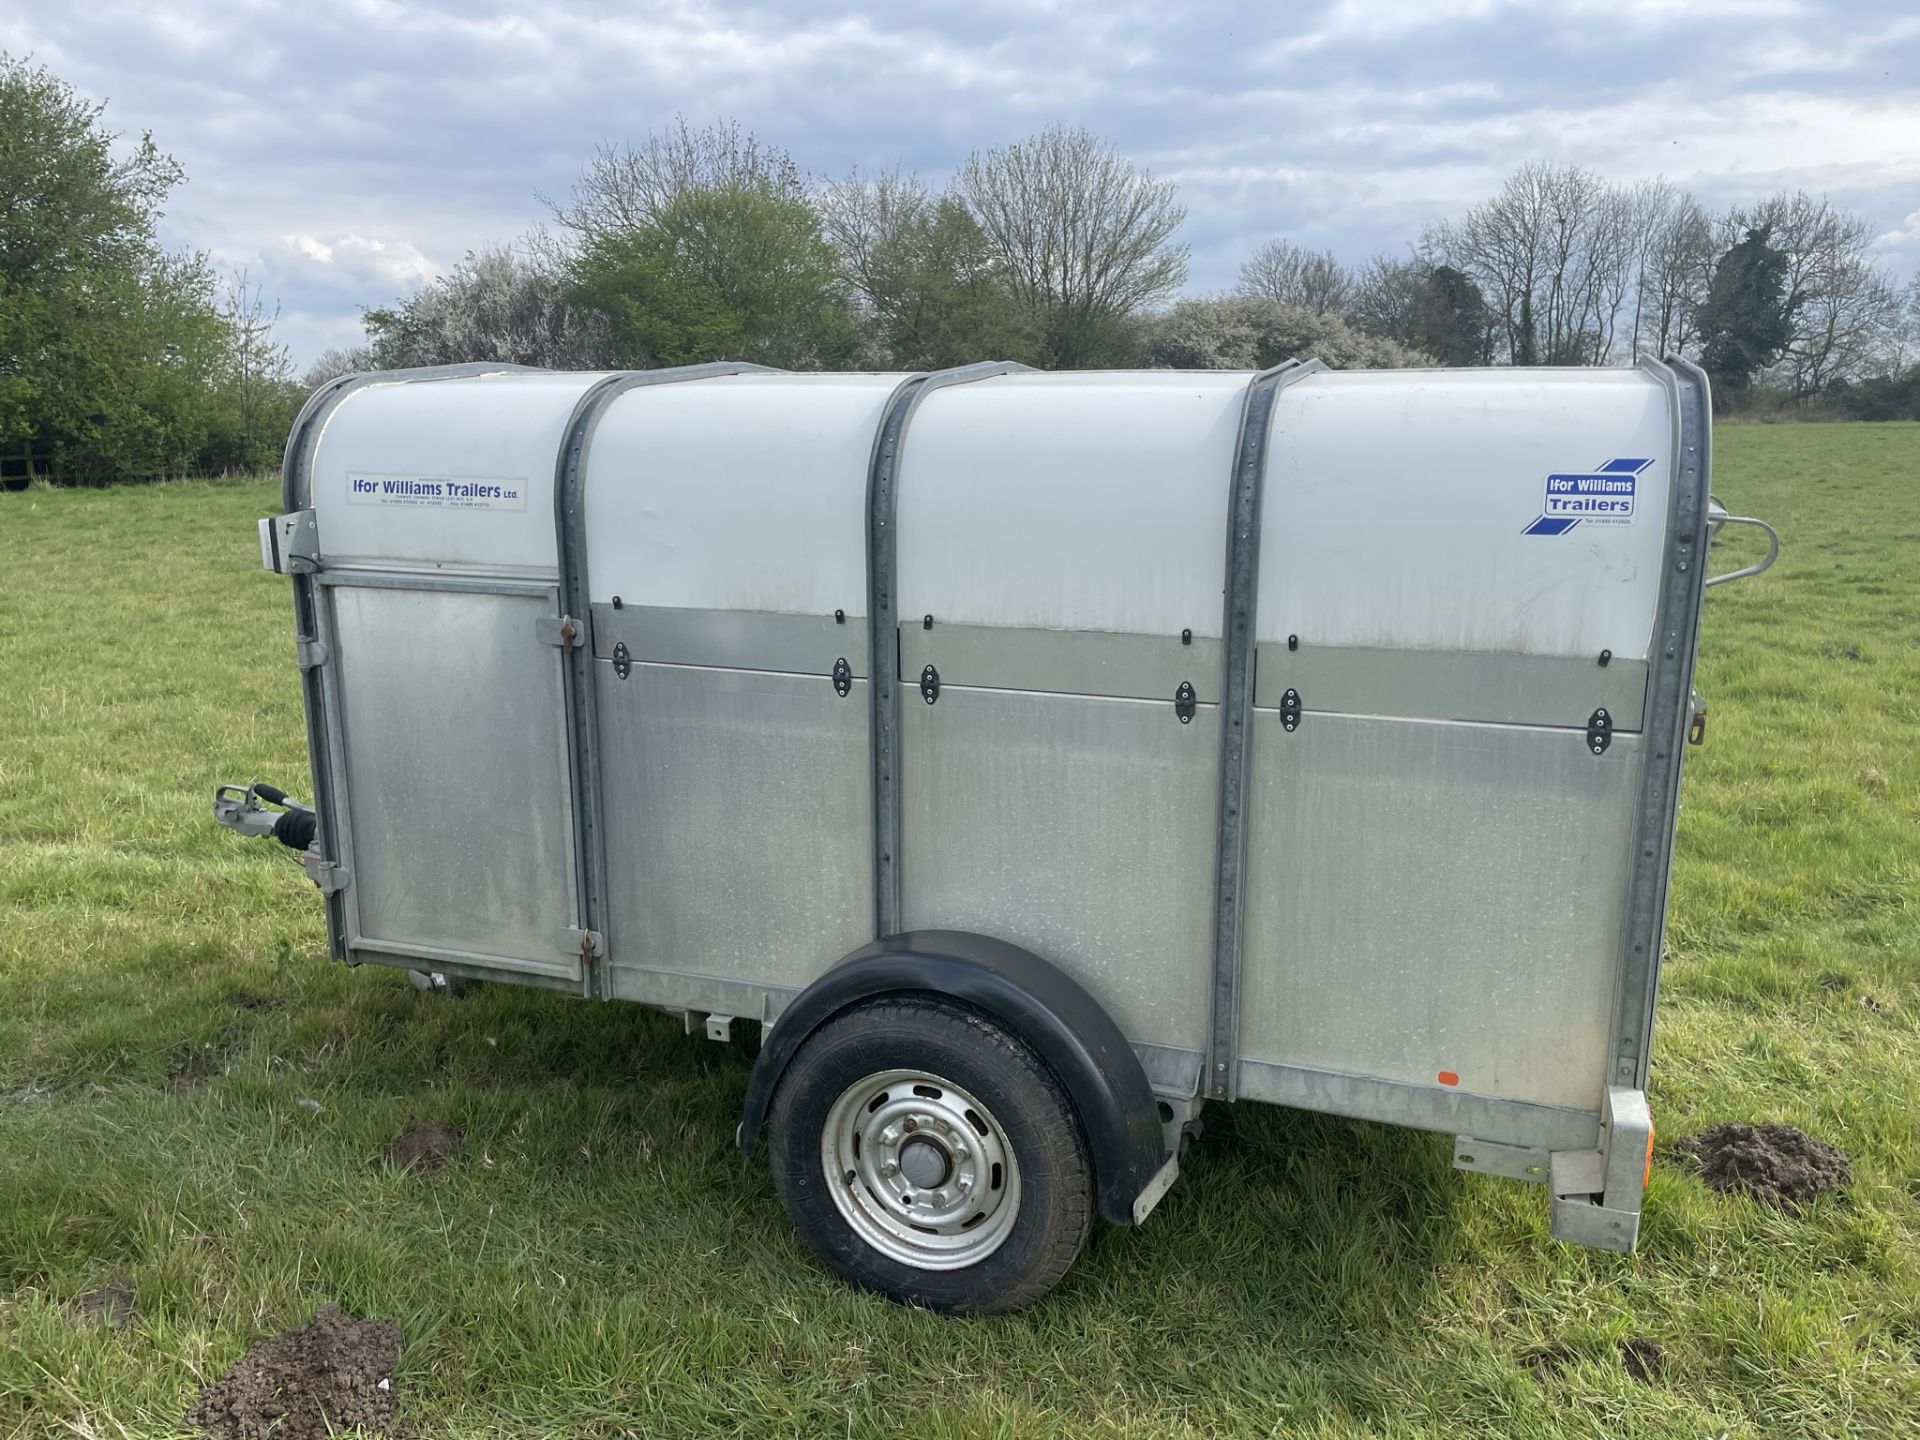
(1780, 1164)
(111, 1305)
(1642, 1357)
(330, 1374)
(424, 1147)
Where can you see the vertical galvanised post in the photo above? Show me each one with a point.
(883, 625)
(1220, 1082)
(1676, 633)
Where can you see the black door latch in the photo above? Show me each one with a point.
(1599, 731)
(1290, 710)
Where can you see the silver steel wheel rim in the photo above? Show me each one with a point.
(920, 1169)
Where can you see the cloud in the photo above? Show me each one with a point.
(359, 260)
(1373, 21)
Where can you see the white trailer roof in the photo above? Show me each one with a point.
(454, 474)
(1402, 510)
(1093, 500)
(746, 492)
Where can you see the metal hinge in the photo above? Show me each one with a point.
(290, 544)
(622, 659)
(842, 677)
(1599, 731)
(929, 684)
(1185, 702)
(590, 945)
(566, 631)
(1696, 720)
(330, 876)
(1290, 710)
(310, 654)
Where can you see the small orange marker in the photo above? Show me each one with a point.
(1447, 1077)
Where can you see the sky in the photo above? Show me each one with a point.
(344, 153)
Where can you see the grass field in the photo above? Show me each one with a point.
(601, 1261)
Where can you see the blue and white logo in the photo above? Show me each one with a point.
(1604, 496)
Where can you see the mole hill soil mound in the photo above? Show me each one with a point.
(1780, 1164)
(330, 1374)
(424, 1148)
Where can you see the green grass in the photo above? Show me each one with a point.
(602, 1261)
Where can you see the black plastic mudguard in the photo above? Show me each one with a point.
(1035, 999)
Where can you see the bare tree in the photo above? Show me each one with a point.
(1433, 310)
(1386, 297)
(865, 216)
(626, 188)
(1500, 244)
(1673, 270)
(1843, 311)
(1554, 253)
(336, 361)
(930, 290)
(1085, 236)
(259, 371)
(1284, 272)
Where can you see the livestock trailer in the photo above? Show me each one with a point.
(1032, 757)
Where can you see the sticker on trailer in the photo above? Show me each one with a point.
(439, 492)
(1604, 497)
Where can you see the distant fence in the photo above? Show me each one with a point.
(22, 465)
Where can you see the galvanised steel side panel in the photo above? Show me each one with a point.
(736, 812)
(731, 639)
(1427, 897)
(453, 740)
(1081, 827)
(1062, 662)
(1454, 685)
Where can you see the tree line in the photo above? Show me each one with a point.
(120, 358)
(702, 243)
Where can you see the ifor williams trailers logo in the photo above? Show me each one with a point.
(440, 492)
(1604, 496)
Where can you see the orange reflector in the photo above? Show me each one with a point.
(1447, 1077)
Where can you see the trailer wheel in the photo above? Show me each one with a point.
(925, 1152)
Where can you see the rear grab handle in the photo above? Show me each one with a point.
(1717, 517)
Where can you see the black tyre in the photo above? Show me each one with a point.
(925, 1152)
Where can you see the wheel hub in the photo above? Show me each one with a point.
(925, 1163)
(920, 1169)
